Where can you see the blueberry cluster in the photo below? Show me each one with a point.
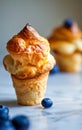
(19, 122)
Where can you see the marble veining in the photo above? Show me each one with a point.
(65, 89)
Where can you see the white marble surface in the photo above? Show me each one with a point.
(66, 92)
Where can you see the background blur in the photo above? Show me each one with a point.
(43, 15)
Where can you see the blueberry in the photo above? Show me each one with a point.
(21, 122)
(4, 112)
(68, 23)
(6, 125)
(54, 70)
(47, 102)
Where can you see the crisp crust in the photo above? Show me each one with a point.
(28, 46)
(29, 54)
(23, 71)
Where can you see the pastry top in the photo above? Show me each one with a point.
(29, 54)
(66, 38)
(28, 46)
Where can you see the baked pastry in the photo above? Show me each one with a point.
(29, 62)
(66, 44)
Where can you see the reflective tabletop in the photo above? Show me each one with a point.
(65, 89)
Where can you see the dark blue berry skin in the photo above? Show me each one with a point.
(54, 70)
(6, 125)
(4, 112)
(68, 23)
(21, 122)
(47, 102)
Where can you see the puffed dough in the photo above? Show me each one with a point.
(29, 54)
(28, 47)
